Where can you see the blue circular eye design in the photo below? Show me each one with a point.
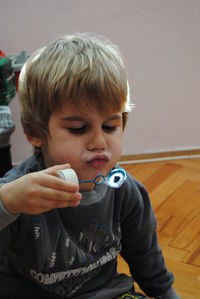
(114, 179)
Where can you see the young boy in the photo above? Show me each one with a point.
(59, 239)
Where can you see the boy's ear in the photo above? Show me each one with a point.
(34, 141)
(124, 119)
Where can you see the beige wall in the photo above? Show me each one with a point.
(160, 43)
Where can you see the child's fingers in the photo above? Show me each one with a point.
(54, 204)
(53, 182)
(47, 205)
(59, 195)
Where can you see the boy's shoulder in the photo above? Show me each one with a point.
(132, 191)
(31, 164)
(132, 184)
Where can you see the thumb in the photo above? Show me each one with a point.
(54, 169)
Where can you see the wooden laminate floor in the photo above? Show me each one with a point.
(174, 188)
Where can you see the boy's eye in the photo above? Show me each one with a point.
(78, 130)
(109, 129)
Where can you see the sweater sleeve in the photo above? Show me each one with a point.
(170, 294)
(5, 217)
(140, 246)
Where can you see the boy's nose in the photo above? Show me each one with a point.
(97, 141)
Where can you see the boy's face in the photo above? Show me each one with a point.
(89, 141)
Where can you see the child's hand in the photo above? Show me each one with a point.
(39, 192)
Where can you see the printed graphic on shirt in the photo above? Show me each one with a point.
(70, 262)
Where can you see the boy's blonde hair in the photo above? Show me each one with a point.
(73, 68)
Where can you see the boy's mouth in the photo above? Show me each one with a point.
(98, 161)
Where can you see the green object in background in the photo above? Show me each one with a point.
(7, 81)
(17, 62)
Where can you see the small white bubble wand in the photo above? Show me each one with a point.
(114, 179)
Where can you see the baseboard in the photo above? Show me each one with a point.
(160, 156)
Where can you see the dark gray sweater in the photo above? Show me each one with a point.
(72, 252)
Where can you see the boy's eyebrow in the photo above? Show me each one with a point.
(81, 118)
(73, 118)
(115, 116)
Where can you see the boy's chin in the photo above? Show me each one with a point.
(86, 187)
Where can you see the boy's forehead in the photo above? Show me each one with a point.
(86, 109)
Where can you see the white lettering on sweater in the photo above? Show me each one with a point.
(48, 279)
